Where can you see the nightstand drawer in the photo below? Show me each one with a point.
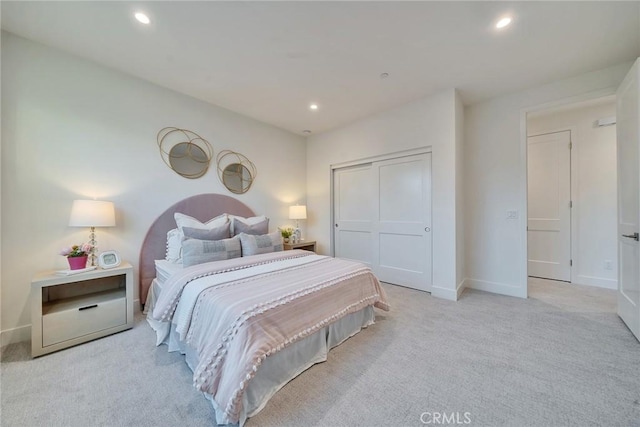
(86, 317)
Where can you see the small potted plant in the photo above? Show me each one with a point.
(77, 255)
(286, 233)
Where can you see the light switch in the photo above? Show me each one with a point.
(511, 214)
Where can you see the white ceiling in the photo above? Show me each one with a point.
(270, 60)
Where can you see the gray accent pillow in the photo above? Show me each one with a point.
(256, 225)
(195, 251)
(265, 243)
(217, 233)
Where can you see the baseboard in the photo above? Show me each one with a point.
(496, 288)
(15, 335)
(460, 289)
(444, 293)
(596, 281)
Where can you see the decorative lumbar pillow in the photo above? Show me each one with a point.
(254, 245)
(255, 225)
(174, 245)
(217, 233)
(183, 220)
(195, 251)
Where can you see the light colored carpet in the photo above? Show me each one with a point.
(560, 358)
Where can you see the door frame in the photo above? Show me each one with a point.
(523, 203)
(356, 162)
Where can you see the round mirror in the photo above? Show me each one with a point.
(184, 151)
(188, 160)
(235, 171)
(237, 178)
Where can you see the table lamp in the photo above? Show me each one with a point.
(92, 213)
(297, 212)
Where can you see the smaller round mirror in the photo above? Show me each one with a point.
(237, 178)
(236, 172)
(188, 160)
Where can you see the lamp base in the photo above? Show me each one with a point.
(297, 235)
(92, 242)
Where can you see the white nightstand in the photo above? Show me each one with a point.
(307, 245)
(73, 309)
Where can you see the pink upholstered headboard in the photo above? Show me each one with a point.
(202, 207)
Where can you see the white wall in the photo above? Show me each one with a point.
(428, 122)
(73, 129)
(594, 190)
(495, 177)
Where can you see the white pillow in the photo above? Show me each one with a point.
(259, 221)
(174, 245)
(183, 220)
(267, 243)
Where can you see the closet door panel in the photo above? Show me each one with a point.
(402, 229)
(353, 213)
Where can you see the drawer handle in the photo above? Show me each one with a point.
(88, 307)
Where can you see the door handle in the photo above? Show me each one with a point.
(427, 229)
(336, 225)
(634, 236)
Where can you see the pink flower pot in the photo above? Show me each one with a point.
(77, 262)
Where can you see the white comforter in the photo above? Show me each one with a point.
(236, 313)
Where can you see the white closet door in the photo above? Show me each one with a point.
(382, 217)
(549, 212)
(402, 249)
(353, 213)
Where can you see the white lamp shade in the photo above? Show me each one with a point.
(92, 213)
(298, 212)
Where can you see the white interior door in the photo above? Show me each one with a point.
(628, 137)
(353, 213)
(549, 211)
(402, 248)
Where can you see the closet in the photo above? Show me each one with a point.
(382, 217)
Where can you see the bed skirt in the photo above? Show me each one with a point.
(276, 370)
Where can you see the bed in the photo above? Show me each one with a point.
(248, 325)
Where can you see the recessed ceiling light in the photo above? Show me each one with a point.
(313, 106)
(384, 75)
(503, 22)
(141, 17)
(306, 131)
